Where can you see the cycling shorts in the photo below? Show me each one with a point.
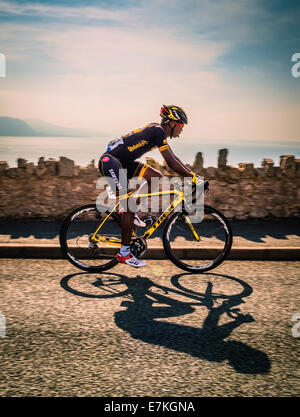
(111, 167)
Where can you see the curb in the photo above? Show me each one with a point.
(236, 253)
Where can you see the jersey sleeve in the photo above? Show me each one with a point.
(160, 138)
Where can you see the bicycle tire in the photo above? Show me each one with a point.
(71, 252)
(215, 255)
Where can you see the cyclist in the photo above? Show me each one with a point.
(122, 153)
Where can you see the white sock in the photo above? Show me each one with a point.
(125, 250)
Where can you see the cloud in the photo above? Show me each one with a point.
(111, 69)
(105, 76)
(59, 12)
(237, 22)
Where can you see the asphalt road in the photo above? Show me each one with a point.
(163, 333)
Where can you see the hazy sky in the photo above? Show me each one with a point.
(110, 65)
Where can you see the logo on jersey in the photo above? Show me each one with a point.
(115, 178)
(138, 145)
(105, 159)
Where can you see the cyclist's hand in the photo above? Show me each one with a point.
(197, 180)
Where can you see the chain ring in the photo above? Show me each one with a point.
(138, 246)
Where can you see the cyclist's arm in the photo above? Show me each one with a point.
(175, 164)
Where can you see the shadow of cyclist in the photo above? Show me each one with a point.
(144, 307)
(140, 321)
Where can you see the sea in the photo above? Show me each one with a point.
(84, 149)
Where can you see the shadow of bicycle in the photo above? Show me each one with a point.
(146, 302)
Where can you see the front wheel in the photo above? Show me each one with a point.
(197, 246)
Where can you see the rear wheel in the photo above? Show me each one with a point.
(198, 255)
(77, 243)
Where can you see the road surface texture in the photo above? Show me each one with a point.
(155, 331)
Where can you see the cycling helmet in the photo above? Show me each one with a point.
(173, 112)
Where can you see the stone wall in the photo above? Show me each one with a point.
(50, 189)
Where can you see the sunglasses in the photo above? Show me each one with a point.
(180, 125)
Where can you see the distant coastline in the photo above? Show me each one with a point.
(15, 127)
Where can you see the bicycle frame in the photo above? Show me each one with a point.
(178, 200)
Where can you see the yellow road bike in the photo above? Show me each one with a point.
(90, 237)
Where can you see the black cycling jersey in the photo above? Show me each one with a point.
(135, 144)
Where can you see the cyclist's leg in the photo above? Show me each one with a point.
(125, 255)
(128, 215)
(144, 171)
(135, 169)
(147, 172)
(112, 168)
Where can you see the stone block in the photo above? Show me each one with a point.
(278, 172)
(222, 158)
(261, 172)
(29, 168)
(3, 166)
(267, 161)
(246, 165)
(65, 167)
(268, 166)
(247, 170)
(51, 165)
(12, 172)
(287, 161)
(21, 163)
(288, 165)
(41, 161)
(198, 163)
(40, 170)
